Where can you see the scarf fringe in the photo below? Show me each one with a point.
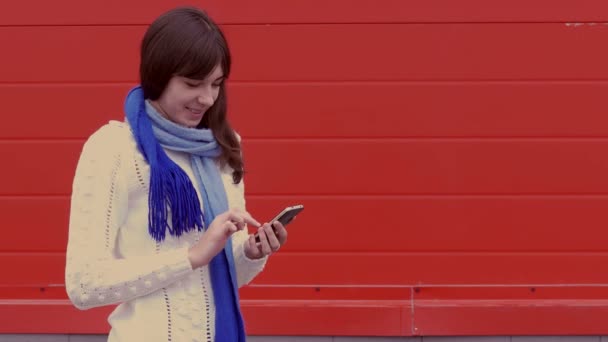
(172, 194)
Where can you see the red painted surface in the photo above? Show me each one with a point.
(74, 12)
(451, 156)
(327, 53)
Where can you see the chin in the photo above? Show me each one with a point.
(192, 124)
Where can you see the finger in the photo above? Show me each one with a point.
(273, 241)
(250, 220)
(252, 246)
(230, 228)
(235, 216)
(280, 232)
(240, 225)
(278, 227)
(237, 220)
(243, 217)
(251, 242)
(264, 245)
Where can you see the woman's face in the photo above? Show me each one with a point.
(185, 101)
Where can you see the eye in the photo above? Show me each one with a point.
(191, 85)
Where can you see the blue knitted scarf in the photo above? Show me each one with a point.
(172, 194)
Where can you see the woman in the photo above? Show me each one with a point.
(158, 220)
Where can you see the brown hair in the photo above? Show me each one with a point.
(186, 42)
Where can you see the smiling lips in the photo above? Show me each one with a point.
(195, 111)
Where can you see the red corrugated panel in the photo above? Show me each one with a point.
(371, 269)
(74, 12)
(450, 154)
(338, 109)
(326, 52)
(358, 318)
(420, 311)
(364, 167)
(419, 223)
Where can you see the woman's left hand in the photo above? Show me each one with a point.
(270, 240)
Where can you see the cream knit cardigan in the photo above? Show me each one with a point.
(112, 259)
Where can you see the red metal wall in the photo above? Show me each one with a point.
(451, 155)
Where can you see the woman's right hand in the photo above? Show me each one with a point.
(217, 234)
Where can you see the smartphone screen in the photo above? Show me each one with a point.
(285, 216)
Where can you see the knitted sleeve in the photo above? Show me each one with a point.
(95, 274)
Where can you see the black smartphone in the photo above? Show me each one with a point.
(285, 216)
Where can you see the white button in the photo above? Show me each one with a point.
(133, 289)
(148, 284)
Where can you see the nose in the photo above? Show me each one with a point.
(205, 97)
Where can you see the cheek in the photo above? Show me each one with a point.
(174, 106)
(179, 100)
